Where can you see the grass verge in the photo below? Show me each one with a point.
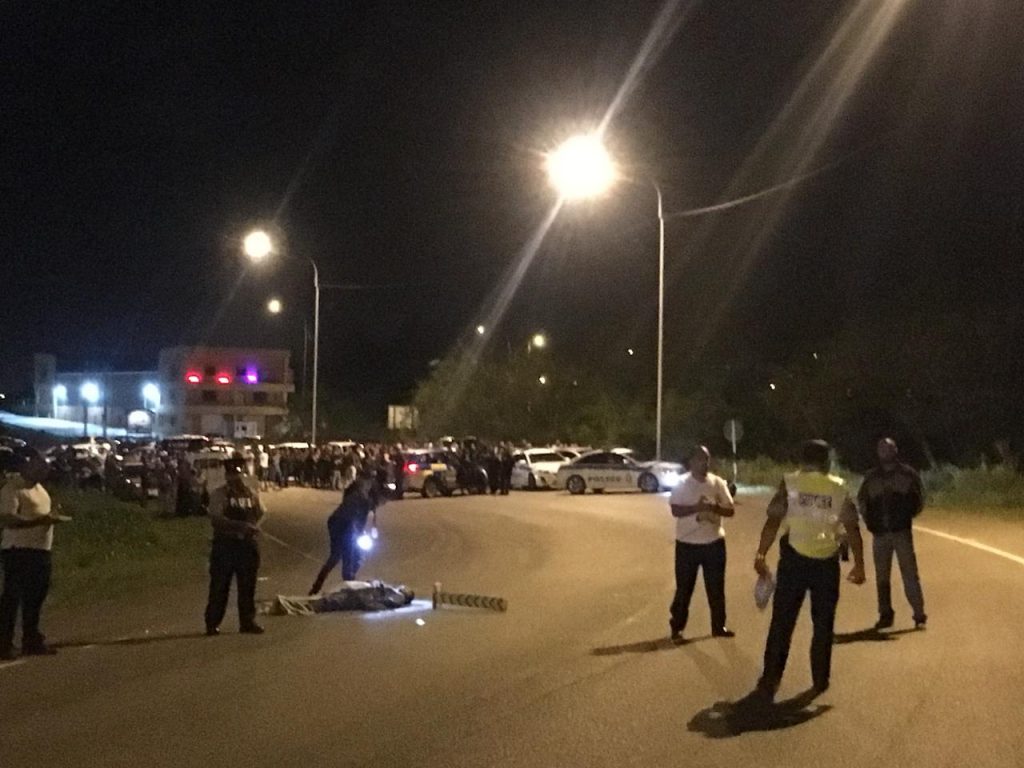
(113, 549)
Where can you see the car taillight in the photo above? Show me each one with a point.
(410, 467)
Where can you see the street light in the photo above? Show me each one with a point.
(60, 395)
(582, 168)
(257, 245)
(480, 330)
(90, 392)
(151, 395)
(539, 341)
(274, 306)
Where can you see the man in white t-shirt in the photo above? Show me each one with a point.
(25, 543)
(699, 502)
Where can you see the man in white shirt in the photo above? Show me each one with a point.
(25, 544)
(699, 502)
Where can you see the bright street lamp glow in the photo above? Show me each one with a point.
(151, 393)
(539, 340)
(60, 392)
(542, 379)
(257, 245)
(90, 392)
(480, 330)
(581, 167)
(274, 306)
(630, 352)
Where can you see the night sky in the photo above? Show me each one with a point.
(400, 145)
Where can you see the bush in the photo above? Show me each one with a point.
(949, 486)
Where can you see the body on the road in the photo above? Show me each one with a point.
(890, 497)
(698, 503)
(27, 518)
(235, 513)
(344, 527)
(813, 506)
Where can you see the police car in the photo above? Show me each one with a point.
(615, 470)
(536, 468)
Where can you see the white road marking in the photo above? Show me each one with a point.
(286, 545)
(972, 543)
(9, 664)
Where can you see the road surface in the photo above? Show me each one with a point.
(577, 672)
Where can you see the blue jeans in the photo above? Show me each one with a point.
(902, 544)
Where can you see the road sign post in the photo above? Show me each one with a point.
(733, 431)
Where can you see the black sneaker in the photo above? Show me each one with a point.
(212, 631)
(884, 622)
(722, 632)
(920, 622)
(252, 629)
(675, 633)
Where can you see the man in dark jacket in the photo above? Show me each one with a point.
(890, 498)
(235, 513)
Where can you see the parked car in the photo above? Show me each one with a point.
(434, 473)
(617, 469)
(536, 468)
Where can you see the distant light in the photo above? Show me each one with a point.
(193, 378)
(257, 245)
(581, 167)
(814, 355)
(420, 623)
(771, 386)
(480, 330)
(90, 392)
(274, 306)
(151, 393)
(539, 340)
(630, 352)
(251, 376)
(542, 379)
(60, 392)
(223, 378)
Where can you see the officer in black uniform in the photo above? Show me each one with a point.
(235, 513)
(344, 527)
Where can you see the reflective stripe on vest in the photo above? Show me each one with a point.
(814, 503)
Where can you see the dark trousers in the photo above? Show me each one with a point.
(797, 576)
(690, 558)
(344, 549)
(26, 584)
(236, 558)
(900, 543)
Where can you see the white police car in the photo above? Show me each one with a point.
(617, 470)
(536, 468)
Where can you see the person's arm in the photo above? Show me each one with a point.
(723, 506)
(777, 508)
(853, 538)
(685, 510)
(916, 492)
(220, 523)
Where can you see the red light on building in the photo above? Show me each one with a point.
(223, 378)
(193, 378)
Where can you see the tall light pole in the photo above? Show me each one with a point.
(582, 168)
(257, 246)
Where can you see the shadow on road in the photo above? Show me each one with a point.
(726, 719)
(143, 640)
(869, 635)
(646, 646)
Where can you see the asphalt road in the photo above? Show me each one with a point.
(577, 672)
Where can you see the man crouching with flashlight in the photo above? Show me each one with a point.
(350, 531)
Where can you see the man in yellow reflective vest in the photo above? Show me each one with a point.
(811, 506)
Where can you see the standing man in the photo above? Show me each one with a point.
(26, 540)
(890, 498)
(235, 513)
(698, 503)
(811, 505)
(507, 465)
